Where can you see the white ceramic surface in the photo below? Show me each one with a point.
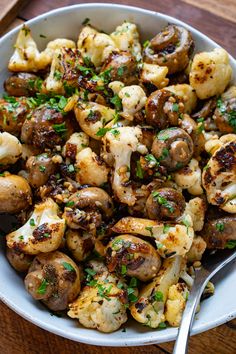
(66, 22)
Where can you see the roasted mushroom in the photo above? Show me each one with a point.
(173, 147)
(46, 128)
(53, 278)
(22, 84)
(86, 208)
(121, 66)
(15, 193)
(132, 256)
(19, 260)
(225, 112)
(220, 232)
(163, 109)
(13, 112)
(39, 169)
(165, 204)
(172, 47)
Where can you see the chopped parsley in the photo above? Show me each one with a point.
(21, 237)
(60, 128)
(117, 102)
(162, 201)
(139, 170)
(146, 43)
(230, 244)
(43, 287)
(68, 266)
(152, 159)
(120, 71)
(42, 36)
(115, 132)
(57, 75)
(123, 269)
(158, 296)
(166, 228)
(165, 153)
(70, 203)
(162, 325)
(32, 222)
(42, 168)
(150, 229)
(200, 127)
(102, 131)
(220, 226)
(133, 282)
(175, 107)
(71, 168)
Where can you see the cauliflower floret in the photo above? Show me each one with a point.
(101, 306)
(189, 178)
(196, 209)
(210, 73)
(27, 57)
(53, 82)
(126, 37)
(187, 93)
(149, 309)
(92, 117)
(10, 149)
(76, 143)
(197, 249)
(175, 304)
(90, 168)
(43, 232)
(155, 74)
(133, 99)
(120, 145)
(116, 86)
(97, 46)
(170, 239)
(219, 175)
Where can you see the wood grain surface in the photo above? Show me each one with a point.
(215, 18)
(8, 11)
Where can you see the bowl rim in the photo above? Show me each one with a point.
(109, 340)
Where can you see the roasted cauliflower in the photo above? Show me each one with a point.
(43, 232)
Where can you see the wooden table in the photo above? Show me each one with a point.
(217, 19)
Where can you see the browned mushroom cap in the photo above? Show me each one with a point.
(46, 128)
(22, 84)
(40, 168)
(164, 204)
(195, 132)
(173, 147)
(18, 260)
(163, 109)
(171, 47)
(53, 278)
(15, 193)
(122, 66)
(13, 112)
(86, 208)
(132, 256)
(225, 115)
(218, 232)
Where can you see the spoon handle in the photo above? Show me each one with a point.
(181, 344)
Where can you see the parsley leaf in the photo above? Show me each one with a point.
(43, 287)
(68, 266)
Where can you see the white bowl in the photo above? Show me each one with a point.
(66, 22)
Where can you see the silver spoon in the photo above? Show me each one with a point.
(211, 264)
